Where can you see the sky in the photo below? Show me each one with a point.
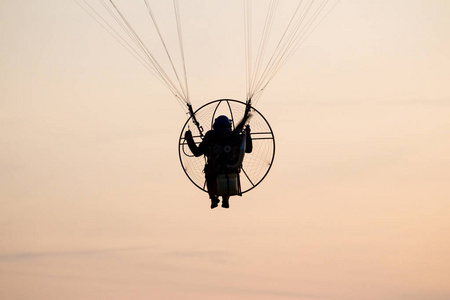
(94, 203)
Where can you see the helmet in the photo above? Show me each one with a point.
(222, 122)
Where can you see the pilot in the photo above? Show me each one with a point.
(216, 146)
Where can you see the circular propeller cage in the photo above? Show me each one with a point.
(256, 165)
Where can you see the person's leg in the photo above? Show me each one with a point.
(212, 188)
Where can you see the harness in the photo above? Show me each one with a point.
(225, 161)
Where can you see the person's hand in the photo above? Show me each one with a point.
(247, 129)
(188, 134)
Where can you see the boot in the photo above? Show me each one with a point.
(225, 203)
(214, 202)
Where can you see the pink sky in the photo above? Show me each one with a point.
(94, 203)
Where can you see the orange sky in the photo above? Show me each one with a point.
(94, 203)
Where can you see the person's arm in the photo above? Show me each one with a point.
(202, 148)
(197, 151)
(248, 140)
(240, 126)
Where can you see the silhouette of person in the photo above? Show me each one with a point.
(216, 146)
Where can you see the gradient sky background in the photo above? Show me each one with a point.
(94, 203)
